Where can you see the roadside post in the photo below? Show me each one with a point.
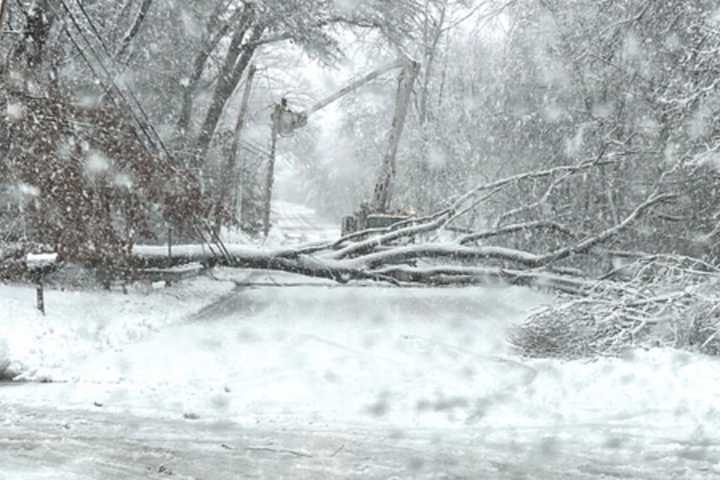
(40, 296)
(38, 265)
(169, 241)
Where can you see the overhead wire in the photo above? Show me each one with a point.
(145, 123)
(94, 71)
(132, 95)
(254, 148)
(92, 26)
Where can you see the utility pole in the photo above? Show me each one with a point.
(284, 121)
(270, 174)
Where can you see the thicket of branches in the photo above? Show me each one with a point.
(668, 302)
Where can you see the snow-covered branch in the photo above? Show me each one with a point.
(517, 227)
(590, 242)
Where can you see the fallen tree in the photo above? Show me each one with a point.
(428, 250)
(634, 299)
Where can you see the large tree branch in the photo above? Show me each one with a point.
(236, 61)
(550, 172)
(240, 256)
(514, 228)
(281, 37)
(362, 234)
(385, 239)
(479, 275)
(591, 242)
(537, 203)
(216, 31)
(376, 255)
(444, 251)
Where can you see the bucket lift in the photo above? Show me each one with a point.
(376, 213)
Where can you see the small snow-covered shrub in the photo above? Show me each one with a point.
(699, 330)
(576, 329)
(4, 360)
(677, 306)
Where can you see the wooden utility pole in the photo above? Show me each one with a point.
(270, 175)
(169, 241)
(40, 296)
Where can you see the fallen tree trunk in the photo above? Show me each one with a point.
(376, 255)
(485, 276)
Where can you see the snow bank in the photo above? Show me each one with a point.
(647, 388)
(78, 325)
(384, 357)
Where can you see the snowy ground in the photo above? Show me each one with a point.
(81, 324)
(315, 380)
(412, 382)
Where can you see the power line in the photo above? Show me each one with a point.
(251, 150)
(254, 148)
(132, 95)
(92, 27)
(146, 126)
(97, 60)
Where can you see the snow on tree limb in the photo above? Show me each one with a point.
(445, 251)
(590, 242)
(472, 275)
(386, 238)
(517, 227)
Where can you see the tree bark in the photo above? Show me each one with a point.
(270, 174)
(236, 61)
(215, 33)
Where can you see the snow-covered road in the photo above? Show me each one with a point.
(333, 354)
(318, 381)
(87, 445)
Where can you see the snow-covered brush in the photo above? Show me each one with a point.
(669, 302)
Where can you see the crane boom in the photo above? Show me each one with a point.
(354, 86)
(3, 4)
(382, 195)
(285, 121)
